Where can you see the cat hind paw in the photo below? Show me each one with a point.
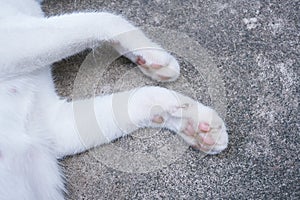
(157, 64)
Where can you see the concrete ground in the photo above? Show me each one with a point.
(253, 46)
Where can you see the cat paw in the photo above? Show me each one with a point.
(152, 60)
(205, 130)
(199, 125)
(207, 137)
(157, 64)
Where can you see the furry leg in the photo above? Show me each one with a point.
(28, 166)
(37, 42)
(83, 124)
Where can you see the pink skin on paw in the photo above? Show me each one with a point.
(158, 119)
(204, 127)
(140, 61)
(206, 140)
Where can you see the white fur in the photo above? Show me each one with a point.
(36, 127)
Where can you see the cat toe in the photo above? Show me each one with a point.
(210, 138)
(158, 119)
(204, 127)
(140, 60)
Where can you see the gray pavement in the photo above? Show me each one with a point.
(254, 45)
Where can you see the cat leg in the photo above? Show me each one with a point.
(151, 59)
(28, 167)
(200, 126)
(31, 43)
(83, 124)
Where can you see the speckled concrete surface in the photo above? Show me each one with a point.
(255, 47)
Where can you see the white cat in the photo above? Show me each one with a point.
(36, 127)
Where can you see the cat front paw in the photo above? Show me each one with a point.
(210, 137)
(157, 64)
(200, 126)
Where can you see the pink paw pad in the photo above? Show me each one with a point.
(204, 127)
(140, 60)
(158, 119)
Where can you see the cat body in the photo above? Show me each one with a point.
(37, 127)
